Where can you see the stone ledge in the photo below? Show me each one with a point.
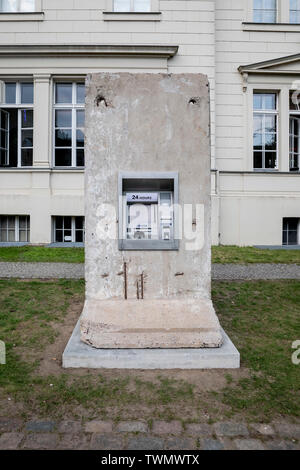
(78, 354)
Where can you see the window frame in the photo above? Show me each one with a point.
(264, 10)
(37, 7)
(74, 107)
(294, 114)
(73, 229)
(19, 106)
(17, 228)
(296, 11)
(132, 9)
(265, 112)
(287, 231)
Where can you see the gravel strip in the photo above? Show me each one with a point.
(255, 271)
(42, 270)
(219, 271)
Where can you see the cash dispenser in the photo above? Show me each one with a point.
(148, 216)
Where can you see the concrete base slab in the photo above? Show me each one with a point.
(152, 323)
(78, 354)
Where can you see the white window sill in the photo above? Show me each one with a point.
(131, 16)
(272, 27)
(34, 16)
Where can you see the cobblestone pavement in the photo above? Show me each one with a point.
(136, 435)
(219, 271)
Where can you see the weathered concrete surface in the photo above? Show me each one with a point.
(146, 123)
(78, 354)
(152, 323)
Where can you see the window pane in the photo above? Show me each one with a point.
(258, 157)
(27, 118)
(23, 236)
(121, 5)
(63, 93)
(17, 5)
(79, 236)
(63, 138)
(80, 118)
(27, 93)
(79, 223)
(80, 93)
(270, 123)
(270, 101)
(270, 141)
(257, 101)
(59, 236)
(26, 157)
(67, 223)
(79, 138)
(59, 222)
(63, 118)
(11, 236)
(11, 222)
(10, 93)
(142, 5)
(27, 138)
(270, 158)
(22, 222)
(80, 157)
(63, 157)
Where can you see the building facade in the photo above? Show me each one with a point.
(249, 49)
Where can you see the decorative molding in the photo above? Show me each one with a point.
(272, 27)
(131, 16)
(87, 50)
(269, 66)
(28, 16)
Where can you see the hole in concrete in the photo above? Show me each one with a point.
(100, 100)
(195, 100)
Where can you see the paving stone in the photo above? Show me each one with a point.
(179, 443)
(45, 441)
(211, 444)
(99, 426)
(164, 427)
(10, 440)
(106, 442)
(40, 426)
(264, 429)
(74, 441)
(132, 426)
(72, 427)
(145, 443)
(288, 430)
(10, 425)
(249, 444)
(281, 445)
(231, 429)
(199, 430)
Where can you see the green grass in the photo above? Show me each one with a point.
(220, 254)
(262, 318)
(249, 255)
(41, 254)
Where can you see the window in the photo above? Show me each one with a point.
(69, 117)
(294, 131)
(68, 229)
(295, 11)
(264, 11)
(11, 6)
(16, 125)
(14, 228)
(132, 5)
(265, 131)
(291, 230)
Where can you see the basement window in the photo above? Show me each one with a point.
(291, 231)
(14, 228)
(68, 229)
(16, 125)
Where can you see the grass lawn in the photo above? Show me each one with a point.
(248, 255)
(262, 318)
(220, 254)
